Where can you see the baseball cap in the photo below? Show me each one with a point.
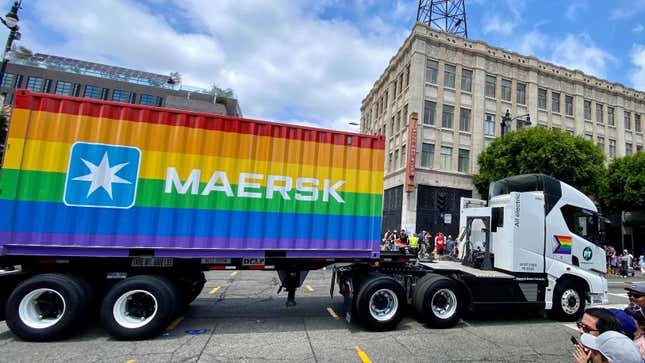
(626, 321)
(637, 286)
(636, 312)
(613, 345)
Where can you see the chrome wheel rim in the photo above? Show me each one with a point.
(383, 305)
(41, 308)
(135, 309)
(444, 303)
(570, 301)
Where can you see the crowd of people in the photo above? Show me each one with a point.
(422, 244)
(613, 335)
(623, 264)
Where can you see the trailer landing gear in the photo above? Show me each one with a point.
(291, 280)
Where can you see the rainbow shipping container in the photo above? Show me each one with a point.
(83, 177)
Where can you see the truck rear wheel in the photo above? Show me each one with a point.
(568, 301)
(139, 307)
(379, 303)
(438, 301)
(46, 307)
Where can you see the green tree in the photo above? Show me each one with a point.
(571, 159)
(625, 184)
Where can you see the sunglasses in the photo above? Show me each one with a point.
(635, 295)
(585, 328)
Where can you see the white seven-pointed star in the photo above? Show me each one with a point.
(102, 175)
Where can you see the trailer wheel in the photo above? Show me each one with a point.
(438, 301)
(139, 307)
(196, 287)
(568, 301)
(379, 303)
(46, 307)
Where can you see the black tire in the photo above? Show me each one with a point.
(196, 287)
(438, 301)
(152, 308)
(60, 298)
(387, 298)
(568, 301)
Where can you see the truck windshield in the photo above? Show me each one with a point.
(583, 222)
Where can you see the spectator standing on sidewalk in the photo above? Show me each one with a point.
(615, 267)
(440, 243)
(450, 246)
(626, 262)
(641, 264)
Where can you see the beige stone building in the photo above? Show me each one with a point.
(460, 89)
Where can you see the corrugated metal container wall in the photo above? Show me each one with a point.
(87, 177)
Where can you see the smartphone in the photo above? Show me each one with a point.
(574, 341)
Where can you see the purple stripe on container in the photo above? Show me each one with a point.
(170, 246)
(330, 254)
(65, 251)
(179, 253)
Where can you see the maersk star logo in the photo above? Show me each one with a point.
(101, 175)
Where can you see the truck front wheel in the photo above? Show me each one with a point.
(139, 307)
(46, 307)
(379, 303)
(568, 301)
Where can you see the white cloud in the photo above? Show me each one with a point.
(283, 62)
(630, 9)
(533, 43)
(495, 24)
(638, 59)
(638, 28)
(574, 8)
(579, 52)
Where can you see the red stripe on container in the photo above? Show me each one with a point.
(155, 115)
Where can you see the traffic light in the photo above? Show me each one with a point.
(442, 201)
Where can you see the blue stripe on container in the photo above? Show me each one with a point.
(40, 217)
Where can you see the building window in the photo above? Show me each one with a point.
(396, 158)
(637, 123)
(76, 90)
(132, 98)
(628, 121)
(159, 101)
(403, 156)
(446, 157)
(146, 100)
(555, 102)
(521, 93)
(429, 112)
(628, 149)
(601, 143)
(507, 85)
(120, 95)
(639, 148)
(405, 115)
(431, 71)
(466, 80)
(91, 92)
(398, 121)
(587, 107)
(34, 84)
(612, 149)
(19, 79)
(104, 93)
(427, 155)
(588, 137)
(446, 119)
(407, 75)
(491, 82)
(489, 124)
(568, 105)
(542, 98)
(464, 161)
(464, 119)
(63, 88)
(7, 80)
(599, 113)
(389, 162)
(449, 75)
(610, 116)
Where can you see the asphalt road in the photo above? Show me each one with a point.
(239, 318)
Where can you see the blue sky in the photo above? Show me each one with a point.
(312, 62)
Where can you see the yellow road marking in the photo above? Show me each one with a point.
(309, 288)
(362, 355)
(214, 290)
(234, 273)
(130, 361)
(332, 313)
(174, 324)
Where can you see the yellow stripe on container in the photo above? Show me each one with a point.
(54, 157)
(67, 128)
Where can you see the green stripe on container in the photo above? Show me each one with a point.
(49, 187)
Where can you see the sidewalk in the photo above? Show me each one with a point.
(614, 279)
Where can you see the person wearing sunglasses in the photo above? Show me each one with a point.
(636, 294)
(596, 321)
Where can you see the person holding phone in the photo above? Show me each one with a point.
(610, 346)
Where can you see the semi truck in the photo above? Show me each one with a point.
(116, 210)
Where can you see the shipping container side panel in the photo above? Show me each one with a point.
(105, 175)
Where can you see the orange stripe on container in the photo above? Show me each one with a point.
(67, 128)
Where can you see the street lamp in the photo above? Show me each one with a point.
(10, 21)
(507, 121)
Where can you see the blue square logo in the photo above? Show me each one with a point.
(102, 176)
